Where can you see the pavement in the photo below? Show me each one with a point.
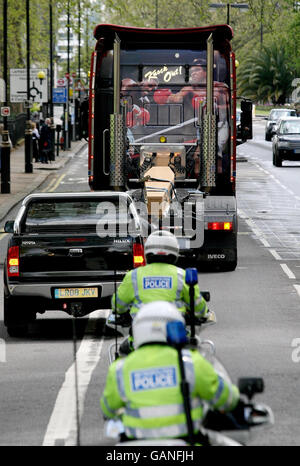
(22, 184)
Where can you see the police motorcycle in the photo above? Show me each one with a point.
(120, 325)
(218, 429)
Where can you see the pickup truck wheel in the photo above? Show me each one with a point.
(16, 318)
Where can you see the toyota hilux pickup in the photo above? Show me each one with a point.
(67, 252)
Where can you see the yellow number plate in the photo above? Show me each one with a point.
(65, 293)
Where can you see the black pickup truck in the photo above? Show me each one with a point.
(66, 253)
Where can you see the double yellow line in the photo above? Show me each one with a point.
(50, 188)
(53, 185)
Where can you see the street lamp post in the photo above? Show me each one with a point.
(79, 39)
(242, 6)
(77, 97)
(5, 146)
(51, 79)
(67, 128)
(28, 130)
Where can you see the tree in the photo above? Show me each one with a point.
(39, 28)
(290, 39)
(266, 76)
(169, 13)
(40, 33)
(253, 28)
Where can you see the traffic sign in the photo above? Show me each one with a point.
(18, 86)
(61, 82)
(59, 95)
(5, 111)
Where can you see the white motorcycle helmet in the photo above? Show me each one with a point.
(162, 246)
(150, 323)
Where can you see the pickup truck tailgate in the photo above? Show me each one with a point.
(66, 253)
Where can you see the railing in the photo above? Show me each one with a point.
(16, 127)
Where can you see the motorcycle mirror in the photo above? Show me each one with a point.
(191, 276)
(251, 385)
(206, 295)
(176, 333)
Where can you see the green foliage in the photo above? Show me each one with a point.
(257, 33)
(39, 11)
(264, 25)
(164, 13)
(290, 40)
(266, 76)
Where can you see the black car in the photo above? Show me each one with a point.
(66, 253)
(286, 141)
(274, 116)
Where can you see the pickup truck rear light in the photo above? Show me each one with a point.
(13, 261)
(224, 226)
(138, 255)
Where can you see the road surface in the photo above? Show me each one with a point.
(257, 307)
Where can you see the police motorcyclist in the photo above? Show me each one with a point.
(159, 280)
(146, 384)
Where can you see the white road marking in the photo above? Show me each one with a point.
(75, 179)
(288, 271)
(297, 288)
(72, 182)
(265, 242)
(61, 428)
(276, 180)
(254, 228)
(270, 235)
(275, 254)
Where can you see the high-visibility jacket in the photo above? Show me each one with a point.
(146, 385)
(156, 282)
